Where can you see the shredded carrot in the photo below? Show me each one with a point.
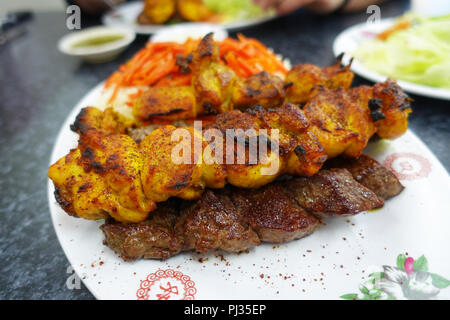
(155, 65)
(174, 79)
(401, 25)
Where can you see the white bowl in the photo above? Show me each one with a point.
(182, 31)
(97, 53)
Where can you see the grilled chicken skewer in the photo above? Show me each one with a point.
(215, 87)
(110, 174)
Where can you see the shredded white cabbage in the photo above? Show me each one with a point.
(419, 54)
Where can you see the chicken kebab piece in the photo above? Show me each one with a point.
(210, 92)
(345, 120)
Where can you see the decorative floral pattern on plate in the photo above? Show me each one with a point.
(409, 280)
(408, 166)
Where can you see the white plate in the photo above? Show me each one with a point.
(180, 32)
(332, 262)
(350, 39)
(127, 13)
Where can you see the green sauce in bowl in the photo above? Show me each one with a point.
(98, 40)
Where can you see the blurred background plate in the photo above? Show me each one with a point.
(127, 13)
(350, 39)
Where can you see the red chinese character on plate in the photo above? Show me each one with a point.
(165, 285)
(167, 291)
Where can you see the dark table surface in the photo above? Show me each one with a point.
(38, 88)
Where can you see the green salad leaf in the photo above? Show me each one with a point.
(419, 54)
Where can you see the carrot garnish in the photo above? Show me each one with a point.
(401, 25)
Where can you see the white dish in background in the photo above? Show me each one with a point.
(349, 40)
(97, 53)
(127, 13)
(182, 31)
(335, 261)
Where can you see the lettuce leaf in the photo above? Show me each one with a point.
(419, 54)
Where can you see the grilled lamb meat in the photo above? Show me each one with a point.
(371, 174)
(332, 192)
(234, 219)
(273, 214)
(214, 222)
(154, 238)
